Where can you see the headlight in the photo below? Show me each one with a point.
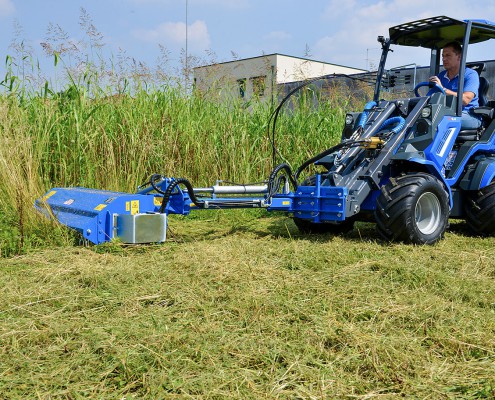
(349, 119)
(426, 112)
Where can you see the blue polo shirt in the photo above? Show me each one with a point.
(471, 84)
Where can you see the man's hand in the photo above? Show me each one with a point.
(436, 80)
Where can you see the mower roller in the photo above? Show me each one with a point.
(404, 163)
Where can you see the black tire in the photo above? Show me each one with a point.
(412, 208)
(335, 228)
(480, 211)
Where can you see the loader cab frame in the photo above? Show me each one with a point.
(434, 33)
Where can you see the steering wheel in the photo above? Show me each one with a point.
(431, 85)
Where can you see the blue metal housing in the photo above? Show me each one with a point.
(91, 212)
(316, 203)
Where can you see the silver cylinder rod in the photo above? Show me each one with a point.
(234, 189)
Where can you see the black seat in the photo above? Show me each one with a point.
(485, 110)
(483, 91)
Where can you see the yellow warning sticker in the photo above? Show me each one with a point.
(48, 195)
(100, 207)
(134, 207)
(128, 206)
(157, 201)
(286, 203)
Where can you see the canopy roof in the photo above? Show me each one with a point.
(435, 32)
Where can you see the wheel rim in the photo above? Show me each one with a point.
(428, 213)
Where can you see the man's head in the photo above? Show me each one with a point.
(451, 56)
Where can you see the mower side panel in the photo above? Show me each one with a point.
(94, 213)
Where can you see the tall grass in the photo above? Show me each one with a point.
(109, 122)
(81, 137)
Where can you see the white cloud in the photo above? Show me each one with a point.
(355, 25)
(174, 34)
(6, 8)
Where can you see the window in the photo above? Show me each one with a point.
(259, 85)
(242, 87)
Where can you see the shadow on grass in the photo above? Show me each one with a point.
(266, 226)
(286, 228)
(460, 227)
(278, 226)
(362, 232)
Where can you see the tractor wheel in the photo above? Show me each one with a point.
(413, 208)
(336, 228)
(480, 211)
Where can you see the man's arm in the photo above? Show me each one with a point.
(471, 84)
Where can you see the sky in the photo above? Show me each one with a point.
(341, 32)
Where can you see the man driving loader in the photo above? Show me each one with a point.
(449, 81)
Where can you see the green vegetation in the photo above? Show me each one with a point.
(236, 304)
(110, 125)
(117, 142)
(239, 305)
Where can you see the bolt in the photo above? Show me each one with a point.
(88, 232)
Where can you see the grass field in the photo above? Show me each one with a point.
(240, 305)
(236, 304)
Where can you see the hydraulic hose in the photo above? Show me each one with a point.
(394, 120)
(274, 185)
(153, 179)
(275, 113)
(318, 157)
(365, 114)
(170, 189)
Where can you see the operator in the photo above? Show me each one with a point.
(449, 81)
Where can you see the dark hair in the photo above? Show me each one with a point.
(456, 46)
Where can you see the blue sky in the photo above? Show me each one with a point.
(338, 31)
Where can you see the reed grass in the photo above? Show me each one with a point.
(83, 137)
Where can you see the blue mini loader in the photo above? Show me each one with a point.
(404, 163)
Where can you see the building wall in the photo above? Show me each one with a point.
(290, 69)
(260, 76)
(224, 81)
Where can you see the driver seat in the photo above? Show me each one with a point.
(486, 108)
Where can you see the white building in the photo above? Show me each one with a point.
(260, 76)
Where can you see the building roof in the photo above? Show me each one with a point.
(280, 54)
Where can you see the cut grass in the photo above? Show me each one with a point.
(238, 304)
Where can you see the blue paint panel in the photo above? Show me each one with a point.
(90, 211)
(320, 203)
(369, 204)
(281, 204)
(438, 151)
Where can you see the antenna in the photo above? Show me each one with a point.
(187, 55)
